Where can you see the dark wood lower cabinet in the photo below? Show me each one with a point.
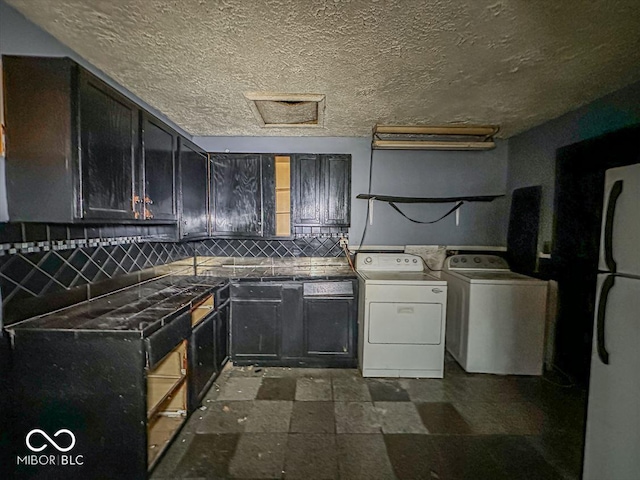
(97, 390)
(255, 329)
(208, 344)
(120, 396)
(328, 329)
(310, 324)
(202, 358)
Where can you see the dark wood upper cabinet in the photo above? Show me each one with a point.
(336, 170)
(321, 190)
(194, 190)
(237, 194)
(159, 146)
(80, 151)
(307, 196)
(108, 146)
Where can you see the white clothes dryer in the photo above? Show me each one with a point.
(401, 317)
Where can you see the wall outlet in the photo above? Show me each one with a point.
(343, 242)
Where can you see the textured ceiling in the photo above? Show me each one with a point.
(516, 63)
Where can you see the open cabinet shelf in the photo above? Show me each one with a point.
(166, 401)
(164, 425)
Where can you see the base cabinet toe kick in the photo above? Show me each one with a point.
(108, 403)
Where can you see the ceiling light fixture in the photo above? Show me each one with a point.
(422, 137)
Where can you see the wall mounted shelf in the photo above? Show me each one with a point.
(389, 198)
(424, 137)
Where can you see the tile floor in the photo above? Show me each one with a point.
(316, 424)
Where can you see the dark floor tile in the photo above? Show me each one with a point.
(387, 391)
(483, 418)
(442, 418)
(412, 456)
(259, 455)
(171, 458)
(443, 456)
(277, 389)
(462, 457)
(311, 456)
(562, 450)
(313, 417)
(208, 456)
(519, 459)
(363, 456)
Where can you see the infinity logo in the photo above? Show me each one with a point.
(47, 437)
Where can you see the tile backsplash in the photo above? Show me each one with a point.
(46, 272)
(40, 260)
(299, 247)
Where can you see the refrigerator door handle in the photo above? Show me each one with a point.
(614, 193)
(600, 318)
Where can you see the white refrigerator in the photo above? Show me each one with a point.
(612, 442)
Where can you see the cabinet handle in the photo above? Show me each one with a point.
(436, 290)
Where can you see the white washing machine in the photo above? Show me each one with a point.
(495, 317)
(401, 317)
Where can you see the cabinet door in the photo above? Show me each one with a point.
(108, 146)
(221, 336)
(307, 196)
(194, 189)
(328, 326)
(202, 359)
(237, 187)
(336, 176)
(255, 327)
(158, 150)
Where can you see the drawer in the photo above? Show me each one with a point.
(256, 291)
(328, 289)
(164, 340)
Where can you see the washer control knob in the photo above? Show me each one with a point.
(477, 259)
(406, 260)
(455, 260)
(398, 260)
(415, 260)
(463, 260)
(368, 260)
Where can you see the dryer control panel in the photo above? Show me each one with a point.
(389, 262)
(475, 262)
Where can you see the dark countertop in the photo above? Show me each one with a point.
(143, 308)
(278, 274)
(146, 307)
